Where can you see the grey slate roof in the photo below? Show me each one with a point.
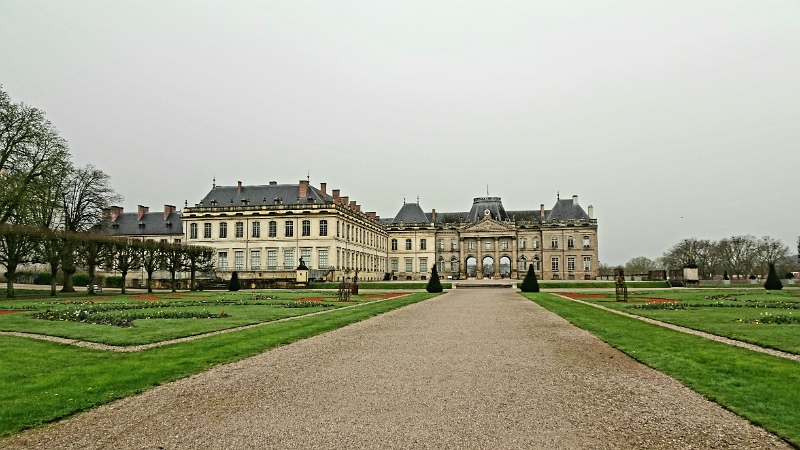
(256, 195)
(152, 223)
(410, 213)
(481, 204)
(566, 210)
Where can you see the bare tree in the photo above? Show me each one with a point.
(197, 259)
(17, 244)
(31, 151)
(92, 251)
(151, 257)
(640, 265)
(126, 256)
(770, 251)
(172, 257)
(88, 191)
(739, 254)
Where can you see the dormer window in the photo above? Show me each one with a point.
(168, 224)
(115, 225)
(213, 203)
(141, 224)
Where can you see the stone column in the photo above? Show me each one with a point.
(496, 257)
(461, 260)
(479, 260)
(514, 258)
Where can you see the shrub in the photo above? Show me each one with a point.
(752, 277)
(43, 278)
(80, 279)
(114, 282)
(434, 285)
(773, 283)
(233, 285)
(789, 275)
(530, 284)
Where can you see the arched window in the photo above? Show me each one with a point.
(441, 265)
(453, 265)
(537, 265)
(523, 263)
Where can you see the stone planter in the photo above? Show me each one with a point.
(726, 281)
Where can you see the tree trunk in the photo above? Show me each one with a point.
(172, 281)
(68, 267)
(124, 274)
(53, 273)
(12, 270)
(149, 285)
(193, 288)
(90, 269)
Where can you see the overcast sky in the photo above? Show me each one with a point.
(674, 119)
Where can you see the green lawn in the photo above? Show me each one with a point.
(42, 381)
(597, 284)
(156, 330)
(388, 285)
(723, 318)
(761, 388)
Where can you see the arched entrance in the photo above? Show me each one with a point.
(488, 266)
(472, 266)
(505, 267)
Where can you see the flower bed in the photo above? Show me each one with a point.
(122, 319)
(310, 299)
(12, 311)
(661, 300)
(382, 296)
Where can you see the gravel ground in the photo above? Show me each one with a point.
(469, 369)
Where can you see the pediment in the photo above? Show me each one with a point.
(488, 225)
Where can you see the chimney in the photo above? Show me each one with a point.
(353, 205)
(115, 212)
(323, 187)
(358, 208)
(541, 210)
(336, 196)
(344, 200)
(142, 210)
(239, 189)
(273, 183)
(574, 200)
(303, 188)
(591, 212)
(371, 215)
(433, 215)
(167, 210)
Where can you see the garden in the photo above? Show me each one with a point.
(42, 381)
(766, 318)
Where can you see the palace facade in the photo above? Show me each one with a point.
(262, 232)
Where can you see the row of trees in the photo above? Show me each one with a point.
(737, 256)
(21, 244)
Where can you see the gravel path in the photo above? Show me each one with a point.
(713, 337)
(469, 369)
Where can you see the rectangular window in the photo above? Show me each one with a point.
(504, 245)
(394, 264)
(488, 245)
(535, 243)
(222, 260)
(207, 230)
(587, 263)
(193, 231)
(255, 260)
(441, 244)
(305, 253)
(453, 244)
(554, 242)
(177, 241)
(408, 244)
(471, 245)
(288, 259)
(453, 265)
(337, 229)
(272, 259)
(223, 230)
(323, 228)
(522, 265)
(289, 228)
(522, 244)
(423, 265)
(322, 259)
(423, 244)
(239, 229)
(394, 244)
(256, 229)
(441, 265)
(571, 263)
(273, 228)
(586, 243)
(306, 228)
(409, 265)
(238, 260)
(554, 264)
(570, 242)
(163, 241)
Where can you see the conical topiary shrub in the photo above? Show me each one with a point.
(725, 276)
(233, 285)
(773, 282)
(434, 285)
(530, 284)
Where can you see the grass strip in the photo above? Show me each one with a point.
(761, 388)
(388, 285)
(42, 381)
